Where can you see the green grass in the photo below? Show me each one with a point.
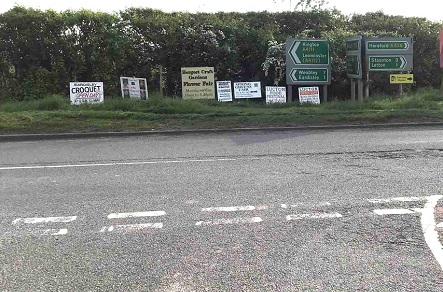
(55, 114)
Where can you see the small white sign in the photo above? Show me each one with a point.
(247, 90)
(275, 94)
(309, 95)
(86, 92)
(224, 91)
(134, 88)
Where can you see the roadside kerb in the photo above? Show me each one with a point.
(58, 136)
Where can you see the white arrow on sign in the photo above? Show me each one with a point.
(292, 74)
(403, 62)
(293, 53)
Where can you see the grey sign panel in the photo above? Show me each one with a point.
(307, 62)
(354, 47)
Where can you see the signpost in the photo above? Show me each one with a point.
(307, 63)
(389, 54)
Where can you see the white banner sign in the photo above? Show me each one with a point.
(275, 94)
(309, 95)
(86, 92)
(224, 91)
(247, 90)
(134, 88)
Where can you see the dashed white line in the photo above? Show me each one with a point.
(398, 199)
(116, 164)
(55, 232)
(132, 227)
(298, 205)
(382, 212)
(229, 221)
(45, 220)
(136, 214)
(229, 209)
(428, 226)
(313, 216)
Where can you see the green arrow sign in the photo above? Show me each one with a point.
(309, 75)
(310, 52)
(386, 63)
(387, 45)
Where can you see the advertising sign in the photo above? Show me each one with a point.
(134, 88)
(86, 92)
(247, 90)
(198, 83)
(275, 94)
(309, 95)
(224, 91)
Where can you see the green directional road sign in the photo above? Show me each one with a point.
(310, 52)
(389, 46)
(390, 63)
(310, 75)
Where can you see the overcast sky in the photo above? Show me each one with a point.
(431, 9)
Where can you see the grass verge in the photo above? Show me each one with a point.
(54, 114)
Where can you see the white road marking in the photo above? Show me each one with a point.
(428, 226)
(116, 164)
(298, 205)
(62, 231)
(228, 209)
(45, 220)
(398, 199)
(382, 212)
(229, 221)
(136, 214)
(313, 216)
(132, 227)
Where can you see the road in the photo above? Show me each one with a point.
(324, 210)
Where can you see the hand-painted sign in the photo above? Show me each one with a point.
(198, 83)
(275, 94)
(86, 92)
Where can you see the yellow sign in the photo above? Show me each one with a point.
(401, 78)
(198, 83)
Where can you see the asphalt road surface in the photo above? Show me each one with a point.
(342, 210)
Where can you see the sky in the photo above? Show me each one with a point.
(431, 9)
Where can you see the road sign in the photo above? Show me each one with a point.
(390, 63)
(309, 75)
(388, 46)
(354, 57)
(310, 52)
(401, 78)
(307, 62)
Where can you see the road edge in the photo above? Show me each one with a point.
(83, 135)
